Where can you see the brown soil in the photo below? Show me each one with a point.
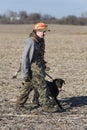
(66, 54)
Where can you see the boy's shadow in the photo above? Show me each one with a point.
(75, 101)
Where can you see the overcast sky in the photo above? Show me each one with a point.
(57, 8)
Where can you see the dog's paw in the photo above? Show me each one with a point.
(60, 110)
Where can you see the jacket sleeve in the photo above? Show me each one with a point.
(27, 57)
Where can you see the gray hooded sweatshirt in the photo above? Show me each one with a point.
(32, 54)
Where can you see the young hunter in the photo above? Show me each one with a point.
(33, 67)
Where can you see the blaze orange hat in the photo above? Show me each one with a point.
(40, 26)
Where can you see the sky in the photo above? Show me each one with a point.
(55, 8)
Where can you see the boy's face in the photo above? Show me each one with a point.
(41, 33)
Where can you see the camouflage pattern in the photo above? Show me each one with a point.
(37, 83)
(24, 93)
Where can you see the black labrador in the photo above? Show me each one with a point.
(52, 90)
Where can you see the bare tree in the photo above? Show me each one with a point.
(84, 15)
(23, 15)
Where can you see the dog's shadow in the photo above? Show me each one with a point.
(75, 101)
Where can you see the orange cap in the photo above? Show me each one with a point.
(40, 26)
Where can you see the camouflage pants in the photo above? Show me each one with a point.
(37, 83)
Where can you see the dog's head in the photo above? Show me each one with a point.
(59, 83)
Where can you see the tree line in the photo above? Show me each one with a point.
(22, 17)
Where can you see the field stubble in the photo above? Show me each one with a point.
(66, 54)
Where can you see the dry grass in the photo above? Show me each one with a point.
(66, 53)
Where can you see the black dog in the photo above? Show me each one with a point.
(52, 90)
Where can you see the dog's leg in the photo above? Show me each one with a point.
(58, 103)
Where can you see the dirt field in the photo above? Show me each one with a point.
(66, 53)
